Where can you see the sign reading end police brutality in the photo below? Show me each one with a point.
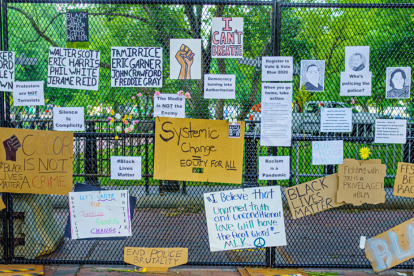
(7, 61)
(136, 67)
(68, 118)
(245, 218)
(73, 68)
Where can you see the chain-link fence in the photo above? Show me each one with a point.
(171, 214)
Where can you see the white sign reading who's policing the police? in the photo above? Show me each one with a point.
(125, 168)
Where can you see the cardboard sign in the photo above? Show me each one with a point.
(155, 259)
(313, 197)
(27, 93)
(126, 167)
(404, 180)
(136, 67)
(245, 218)
(98, 214)
(274, 167)
(392, 247)
(361, 182)
(2, 205)
(36, 161)
(73, 68)
(219, 86)
(7, 65)
(169, 105)
(68, 118)
(327, 152)
(77, 28)
(227, 37)
(197, 150)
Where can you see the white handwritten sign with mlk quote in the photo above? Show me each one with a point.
(245, 218)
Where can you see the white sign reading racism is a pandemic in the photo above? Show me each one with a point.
(125, 168)
(169, 105)
(7, 65)
(136, 67)
(245, 218)
(73, 68)
(327, 152)
(274, 167)
(227, 37)
(390, 131)
(220, 86)
(68, 118)
(336, 120)
(276, 118)
(28, 93)
(277, 68)
(99, 214)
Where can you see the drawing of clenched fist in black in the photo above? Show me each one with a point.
(185, 57)
(11, 146)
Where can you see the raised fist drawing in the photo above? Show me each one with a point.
(185, 57)
(11, 146)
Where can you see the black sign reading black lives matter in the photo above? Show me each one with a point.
(77, 29)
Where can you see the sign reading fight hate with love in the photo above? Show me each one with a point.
(73, 68)
(36, 161)
(245, 218)
(136, 67)
(227, 37)
(99, 214)
(197, 150)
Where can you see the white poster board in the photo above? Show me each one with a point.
(276, 115)
(219, 86)
(7, 66)
(277, 68)
(169, 105)
(136, 66)
(73, 68)
(100, 214)
(356, 83)
(68, 118)
(185, 59)
(327, 152)
(227, 37)
(274, 167)
(27, 93)
(125, 167)
(336, 120)
(245, 218)
(390, 131)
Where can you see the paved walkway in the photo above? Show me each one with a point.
(69, 270)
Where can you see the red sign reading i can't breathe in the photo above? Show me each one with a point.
(227, 37)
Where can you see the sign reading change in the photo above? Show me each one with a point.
(36, 161)
(197, 150)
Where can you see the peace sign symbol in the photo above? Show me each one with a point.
(259, 242)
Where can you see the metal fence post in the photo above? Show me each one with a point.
(91, 156)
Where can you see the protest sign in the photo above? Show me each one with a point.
(136, 67)
(276, 115)
(392, 247)
(245, 218)
(68, 118)
(73, 68)
(197, 150)
(7, 65)
(155, 259)
(185, 59)
(125, 168)
(404, 180)
(169, 105)
(336, 120)
(314, 196)
(361, 182)
(277, 68)
(98, 214)
(390, 131)
(219, 86)
(2, 205)
(28, 93)
(36, 161)
(357, 59)
(327, 152)
(398, 83)
(356, 84)
(274, 167)
(227, 37)
(312, 75)
(77, 28)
